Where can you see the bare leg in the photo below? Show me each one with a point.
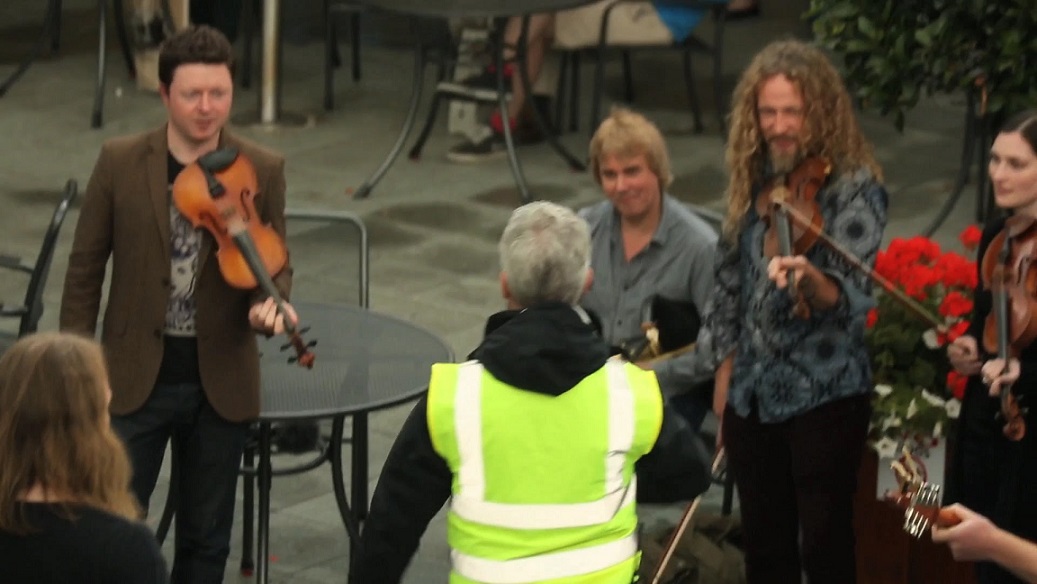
(539, 35)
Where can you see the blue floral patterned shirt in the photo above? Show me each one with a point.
(786, 364)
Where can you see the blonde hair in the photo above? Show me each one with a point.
(625, 134)
(830, 127)
(55, 431)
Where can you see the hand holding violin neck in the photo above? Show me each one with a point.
(817, 289)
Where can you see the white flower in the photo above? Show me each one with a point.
(953, 407)
(886, 448)
(937, 430)
(930, 339)
(883, 390)
(912, 409)
(932, 399)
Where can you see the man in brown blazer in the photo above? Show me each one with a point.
(180, 341)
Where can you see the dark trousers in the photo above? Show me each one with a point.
(796, 482)
(209, 455)
(694, 404)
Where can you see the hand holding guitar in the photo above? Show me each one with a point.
(976, 538)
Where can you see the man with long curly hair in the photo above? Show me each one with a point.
(793, 381)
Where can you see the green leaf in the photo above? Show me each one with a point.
(866, 27)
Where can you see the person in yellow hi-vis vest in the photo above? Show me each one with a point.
(538, 441)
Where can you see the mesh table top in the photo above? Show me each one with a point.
(364, 361)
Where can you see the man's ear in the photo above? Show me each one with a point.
(589, 280)
(504, 290)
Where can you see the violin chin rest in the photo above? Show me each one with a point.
(218, 159)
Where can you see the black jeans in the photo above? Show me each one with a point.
(209, 450)
(797, 479)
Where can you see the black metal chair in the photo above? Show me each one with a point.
(31, 309)
(570, 67)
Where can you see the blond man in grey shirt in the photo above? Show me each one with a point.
(646, 243)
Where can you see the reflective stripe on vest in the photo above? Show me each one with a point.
(470, 503)
(546, 566)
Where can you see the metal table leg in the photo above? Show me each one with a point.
(502, 104)
(408, 124)
(248, 518)
(263, 478)
(359, 474)
(546, 130)
(348, 518)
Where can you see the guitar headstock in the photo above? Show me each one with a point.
(919, 499)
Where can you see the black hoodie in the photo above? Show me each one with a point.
(547, 349)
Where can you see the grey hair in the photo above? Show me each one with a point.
(545, 254)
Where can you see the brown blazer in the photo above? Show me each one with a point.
(125, 216)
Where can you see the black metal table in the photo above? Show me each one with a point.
(499, 11)
(365, 362)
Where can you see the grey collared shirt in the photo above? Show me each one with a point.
(676, 264)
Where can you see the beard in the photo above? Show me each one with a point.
(783, 162)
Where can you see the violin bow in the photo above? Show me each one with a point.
(910, 303)
(682, 526)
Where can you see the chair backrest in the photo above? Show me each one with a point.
(337, 219)
(38, 279)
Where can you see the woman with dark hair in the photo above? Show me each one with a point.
(66, 510)
(994, 475)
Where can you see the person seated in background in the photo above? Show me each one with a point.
(66, 510)
(646, 244)
(537, 439)
(655, 23)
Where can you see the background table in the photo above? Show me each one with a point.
(499, 11)
(365, 361)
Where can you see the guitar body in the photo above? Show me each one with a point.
(886, 554)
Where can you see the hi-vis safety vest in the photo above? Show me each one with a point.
(544, 487)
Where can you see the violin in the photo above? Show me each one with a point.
(795, 224)
(218, 192)
(1012, 324)
(797, 190)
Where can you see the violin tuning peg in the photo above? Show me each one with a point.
(286, 346)
(293, 359)
(311, 344)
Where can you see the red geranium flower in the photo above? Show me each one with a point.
(970, 237)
